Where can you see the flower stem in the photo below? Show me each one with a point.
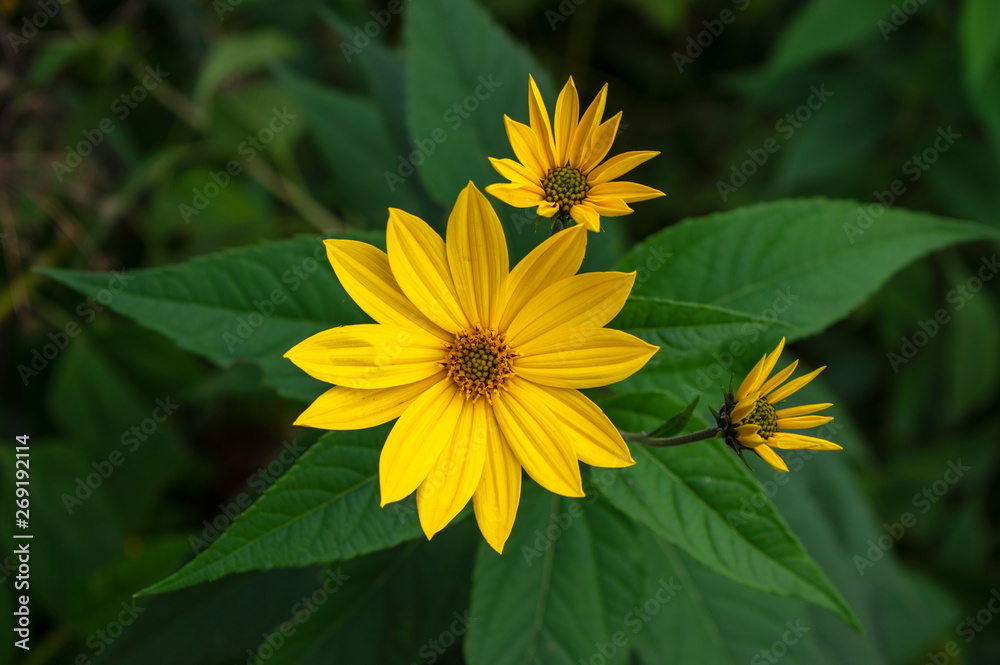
(645, 439)
(557, 225)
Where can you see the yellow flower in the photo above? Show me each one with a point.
(749, 419)
(482, 366)
(562, 173)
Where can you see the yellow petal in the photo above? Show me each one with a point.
(369, 355)
(803, 422)
(536, 440)
(546, 209)
(517, 173)
(586, 216)
(419, 262)
(748, 435)
(539, 119)
(619, 165)
(522, 141)
(456, 474)
(477, 254)
(609, 206)
(595, 439)
(626, 191)
(417, 439)
(577, 305)
(778, 378)
(499, 490)
(791, 441)
(600, 143)
(516, 194)
(743, 408)
(567, 115)
(595, 357)
(790, 387)
(342, 408)
(771, 458)
(363, 271)
(588, 123)
(752, 382)
(557, 258)
(803, 410)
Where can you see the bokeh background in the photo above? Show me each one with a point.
(118, 118)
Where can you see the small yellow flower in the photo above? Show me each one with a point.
(562, 173)
(748, 419)
(481, 365)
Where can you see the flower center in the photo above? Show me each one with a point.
(764, 415)
(566, 186)
(479, 362)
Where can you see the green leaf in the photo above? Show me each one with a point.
(241, 54)
(972, 357)
(464, 72)
(807, 263)
(903, 615)
(677, 423)
(560, 588)
(250, 304)
(128, 437)
(687, 333)
(324, 509)
(692, 495)
(218, 623)
(826, 27)
(711, 619)
(353, 139)
(979, 37)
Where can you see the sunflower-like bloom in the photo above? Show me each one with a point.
(561, 173)
(481, 365)
(748, 419)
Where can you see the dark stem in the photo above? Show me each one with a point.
(557, 224)
(644, 438)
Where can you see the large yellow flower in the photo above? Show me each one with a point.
(562, 173)
(481, 366)
(748, 419)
